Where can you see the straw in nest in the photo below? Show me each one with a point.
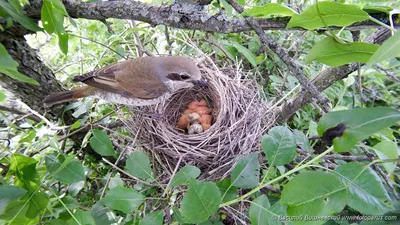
(240, 118)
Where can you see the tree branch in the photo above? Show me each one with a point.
(171, 15)
(325, 79)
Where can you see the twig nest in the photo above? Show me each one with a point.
(237, 118)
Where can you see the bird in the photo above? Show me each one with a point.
(140, 81)
(195, 126)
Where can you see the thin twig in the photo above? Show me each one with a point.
(18, 112)
(296, 70)
(382, 174)
(173, 174)
(76, 131)
(99, 43)
(127, 174)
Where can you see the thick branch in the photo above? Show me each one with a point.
(171, 15)
(325, 79)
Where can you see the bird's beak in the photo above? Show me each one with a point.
(202, 82)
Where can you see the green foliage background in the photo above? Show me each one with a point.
(42, 184)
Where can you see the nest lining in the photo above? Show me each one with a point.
(240, 118)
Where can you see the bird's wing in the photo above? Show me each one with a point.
(127, 78)
(103, 79)
(141, 81)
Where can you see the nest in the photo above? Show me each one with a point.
(240, 118)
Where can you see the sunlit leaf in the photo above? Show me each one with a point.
(269, 9)
(332, 13)
(25, 21)
(18, 76)
(333, 53)
(387, 150)
(389, 49)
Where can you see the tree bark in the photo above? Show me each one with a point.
(31, 66)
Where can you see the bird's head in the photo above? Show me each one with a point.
(183, 71)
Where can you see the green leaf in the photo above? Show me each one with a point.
(65, 168)
(16, 211)
(333, 53)
(16, 5)
(63, 42)
(360, 124)
(59, 6)
(102, 215)
(200, 202)
(269, 9)
(6, 62)
(25, 21)
(387, 150)
(377, 9)
(36, 203)
(279, 145)
(259, 211)
(8, 66)
(9, 194)
(154, 218)
(366, 192)
(76, 125)
(332, 14)
(278, 214)
(101, 143)
(389, 49)
(314, 194)
(25, 174)
(2, 96)
(28, 137)
(302, 141)
(246, 172)
(18, 76)
(228, 192)
(82, 217)
(52, 20)
(138, 165)
(123, 199)
(246, 52)
(185, 175)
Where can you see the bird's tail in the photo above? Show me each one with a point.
(66, 96)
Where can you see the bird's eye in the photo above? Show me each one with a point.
(184, 76)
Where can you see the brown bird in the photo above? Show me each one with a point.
(138, 82)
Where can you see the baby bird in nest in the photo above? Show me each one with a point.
(195, 126)
(197, 113)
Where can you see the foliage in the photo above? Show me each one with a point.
(46, 179)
